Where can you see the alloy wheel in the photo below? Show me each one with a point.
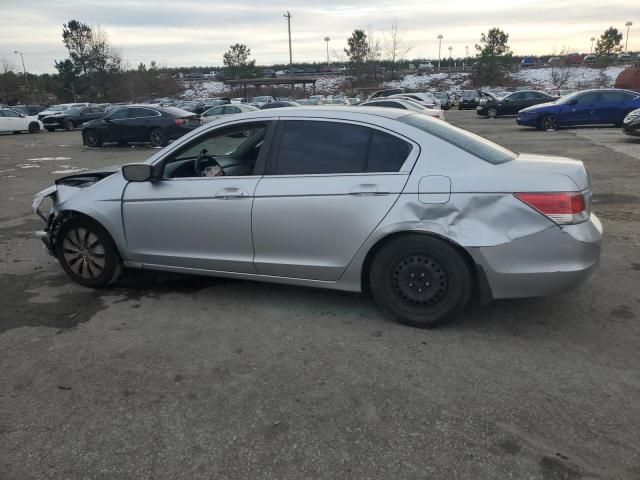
(90, 138)
(84, 253)
(492, 113)
(550, 122)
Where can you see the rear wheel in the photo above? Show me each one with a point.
(91, 139)
(34, 127)
(87, 253)
(420, 281)
(549, 122)
(68, 125)
(157, 138)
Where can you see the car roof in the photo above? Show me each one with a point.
(327, 111)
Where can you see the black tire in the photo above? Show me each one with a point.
(90, 138)
(34, 127)
(68, 125)
(158, 138)
(548, 122)
(50, 129)
(87, 253)
(420, 281)
(492, 112)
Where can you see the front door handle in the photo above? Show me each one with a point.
(231, 193)
(368, 189)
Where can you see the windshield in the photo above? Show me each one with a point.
(469, 94)
(261, 99)
(73, 110)
(58, 108)
(464, 140)
(440, 95)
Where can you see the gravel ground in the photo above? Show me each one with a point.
(179, 377)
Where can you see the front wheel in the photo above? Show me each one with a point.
(91, 139)
(68, 125)
(420, 281)
(87, 253)
(157, 138)
(549, 122)
(34, 127)
(492, 112)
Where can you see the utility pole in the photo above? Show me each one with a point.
(439, 49)
(288, 17)
(626, 42)
(26, 79)
(593, 39)
(326, 39)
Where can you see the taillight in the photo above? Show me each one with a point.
(564, 208)
(180, 121)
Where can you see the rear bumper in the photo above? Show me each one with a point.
(545, 263)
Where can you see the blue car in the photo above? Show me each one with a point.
(588, 107)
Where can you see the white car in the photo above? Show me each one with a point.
(404, 104)
(424, 99)
(12, 121)
(222, 110)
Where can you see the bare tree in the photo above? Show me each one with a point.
(374, 53)
(6, 66)
(561, 76)
(395, 46)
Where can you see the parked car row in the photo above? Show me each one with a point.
(16, 122)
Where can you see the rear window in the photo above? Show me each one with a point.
(464, 140)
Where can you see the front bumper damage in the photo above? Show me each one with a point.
(45, 235)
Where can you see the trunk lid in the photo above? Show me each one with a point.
(534, 165)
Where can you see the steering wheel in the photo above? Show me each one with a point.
(209, 164)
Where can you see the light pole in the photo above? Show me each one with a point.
(626, 42)
(26, 79)
(439, 49)
(593, 39)
(326, 39)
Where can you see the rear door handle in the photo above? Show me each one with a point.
(231, 193)
(368, 189)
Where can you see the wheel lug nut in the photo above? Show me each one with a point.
(422, 274)
(427, 284)
(420, 290)
(411, 284)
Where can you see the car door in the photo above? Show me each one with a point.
(580, 111)
(114, 128)
(328, 185)
(512, 103)
(139, 123)
(14, 121)
(88, 114)
(186, 220)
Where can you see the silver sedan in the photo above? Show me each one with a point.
(416, 211)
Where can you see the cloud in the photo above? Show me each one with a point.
(189, 32)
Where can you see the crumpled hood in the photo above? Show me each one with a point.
(89, 177)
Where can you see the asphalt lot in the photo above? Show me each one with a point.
(178, 377)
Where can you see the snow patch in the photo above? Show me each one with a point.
(48, 159)
(578, 77)
(70, 170)
(27, 165)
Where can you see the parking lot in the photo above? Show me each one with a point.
(168, 376)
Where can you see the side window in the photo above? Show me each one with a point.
(516, 97)
(214, 111)
(1, 113)
(387, 153)
(231, 151)
(141, 113)
(588, 98)
(612, 96)
(11, 113)
(309, 147)
(119, 114)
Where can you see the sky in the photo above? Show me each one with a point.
(182, 33)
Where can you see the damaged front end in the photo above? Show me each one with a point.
(63, 189)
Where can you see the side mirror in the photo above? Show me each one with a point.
(137, 172)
